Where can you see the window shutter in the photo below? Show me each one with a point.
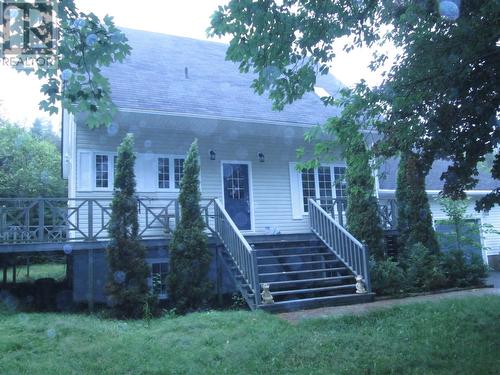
(85, 171)
(296, 192)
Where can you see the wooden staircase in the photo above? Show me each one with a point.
(302, 271)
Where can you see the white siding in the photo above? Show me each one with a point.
(272, 200)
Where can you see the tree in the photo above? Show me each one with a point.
(128, 272)
(440, 96)
(43, 130)
(363, 219)
(86, 44)
(414, 213)
(188, 283)
(29, 166)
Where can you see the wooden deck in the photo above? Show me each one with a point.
(327, 265)
(50, 224)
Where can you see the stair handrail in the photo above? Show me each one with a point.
(243, 255)
(343, 244)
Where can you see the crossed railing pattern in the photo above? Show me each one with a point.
(39, 220)
(337, 208)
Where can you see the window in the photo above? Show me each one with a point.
(158, 273)
(178, 172)
(170, 169)
(101, 171)
(325, 187)
(340, 182)
(469, 236)
(324, 183)
(235, 183)
(308, 187)
(163, 173)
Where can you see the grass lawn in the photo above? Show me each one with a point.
(38, 271)
(449, 337)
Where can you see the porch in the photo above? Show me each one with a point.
(303, 270)
(47, 224)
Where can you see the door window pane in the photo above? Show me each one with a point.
(235, 183)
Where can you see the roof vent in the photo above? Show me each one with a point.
(186, 75)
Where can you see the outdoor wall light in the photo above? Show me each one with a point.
(212, 155)
(261, 157)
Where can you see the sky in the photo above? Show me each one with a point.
(19, 93)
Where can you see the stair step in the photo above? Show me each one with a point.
(313, 290)
(299, 263)
(295, 255)
(281, 240)
(290, 248)
(308, 303)
(302, 281)
(304, 271)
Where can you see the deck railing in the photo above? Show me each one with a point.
(238, 248)
(337, 208)
(43, 220)
(347, 248)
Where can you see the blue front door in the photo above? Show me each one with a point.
(237, 194)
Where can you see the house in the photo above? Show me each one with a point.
(258, 207)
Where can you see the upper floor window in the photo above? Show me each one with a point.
(101, 171)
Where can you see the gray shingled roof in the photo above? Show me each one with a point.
(153, 79)
(433, 180)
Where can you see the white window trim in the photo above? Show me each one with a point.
(111, 169)
(171, 172)
(316, 184)
(150, 262)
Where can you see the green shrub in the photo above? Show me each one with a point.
(387, 277)
(188, 284)
(462, 272)
(414, 213)
(127, 286)
(423, 271)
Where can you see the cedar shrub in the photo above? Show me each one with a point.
(188, 284)
(414, 213)
(127, 286)
(363, 219)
